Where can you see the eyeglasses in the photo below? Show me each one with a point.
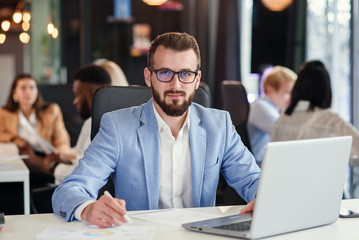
(166, 75)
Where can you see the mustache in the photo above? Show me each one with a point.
(175, 92)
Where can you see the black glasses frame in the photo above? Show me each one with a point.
(174, 73)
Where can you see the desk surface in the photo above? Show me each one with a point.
(20, 227)
(12, 166)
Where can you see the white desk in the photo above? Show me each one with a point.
(15, 170)
(20, 227)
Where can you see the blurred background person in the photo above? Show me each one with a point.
(36, 127)
(118, 78)
(309, 115)
(86, 81)
(277, 86)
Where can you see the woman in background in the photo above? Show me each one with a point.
(309, 114)
(36, 127)
(118, 78)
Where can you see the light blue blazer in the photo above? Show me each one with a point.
(127, 149)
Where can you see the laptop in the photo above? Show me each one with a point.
(300, 187)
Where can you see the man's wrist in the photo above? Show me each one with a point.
(81, 208)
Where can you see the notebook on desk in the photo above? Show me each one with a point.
(300, 187)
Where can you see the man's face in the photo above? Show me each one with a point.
(173, 98)
(82, 92)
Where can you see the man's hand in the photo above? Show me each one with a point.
(249, 207)
(105, 212)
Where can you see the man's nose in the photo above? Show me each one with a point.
(176, 81)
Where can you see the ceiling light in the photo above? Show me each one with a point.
(55, 33)
(26, 17)
(25, 26)
(277, 5)
(154, 2)
(17, 16)
(50, 28)
(5, 25)
(24, 37)
(2, 38)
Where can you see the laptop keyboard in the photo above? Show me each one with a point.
(240, 226)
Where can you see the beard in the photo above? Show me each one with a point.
(85, 111)
(173, 109)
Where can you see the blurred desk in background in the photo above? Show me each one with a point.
(13, 169)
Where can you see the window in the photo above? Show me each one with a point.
(328, 39)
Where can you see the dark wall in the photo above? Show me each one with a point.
(62, 95)
(87, 33)
(70, 36)
(275, 35)
(13, 46)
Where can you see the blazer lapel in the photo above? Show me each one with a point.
(148, 138)
(197, 137)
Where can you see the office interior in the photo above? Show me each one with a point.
(238, 39)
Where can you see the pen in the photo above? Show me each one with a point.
(128, 219)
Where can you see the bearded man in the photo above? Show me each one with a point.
(166, 153)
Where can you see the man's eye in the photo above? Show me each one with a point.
(164, 73)
(185, 74)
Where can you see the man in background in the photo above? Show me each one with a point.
(86, 81)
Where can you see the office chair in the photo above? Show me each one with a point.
(111, 98)
(234, 100)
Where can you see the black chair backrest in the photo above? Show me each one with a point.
(234, 100)
(111, 98)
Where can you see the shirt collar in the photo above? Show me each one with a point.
(302, 106)
(162, 124)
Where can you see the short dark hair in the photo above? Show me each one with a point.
(92, 73)
(13, 106)
(313, 85)
(176, 41)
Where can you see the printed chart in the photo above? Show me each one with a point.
(83, 231)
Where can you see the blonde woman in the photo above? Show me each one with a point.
(118, 78)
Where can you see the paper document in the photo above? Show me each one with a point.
(172, 217)
(83, 231)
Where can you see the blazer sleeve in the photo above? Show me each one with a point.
(99, 161)
(239, 167)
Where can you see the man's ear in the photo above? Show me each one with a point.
(147, 74)
(89, 96)
(198, 79)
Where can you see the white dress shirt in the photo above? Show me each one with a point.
(175, 166)
(27, 130)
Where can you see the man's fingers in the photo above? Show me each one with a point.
(117, 205)
(105, 212)
(249, 207)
